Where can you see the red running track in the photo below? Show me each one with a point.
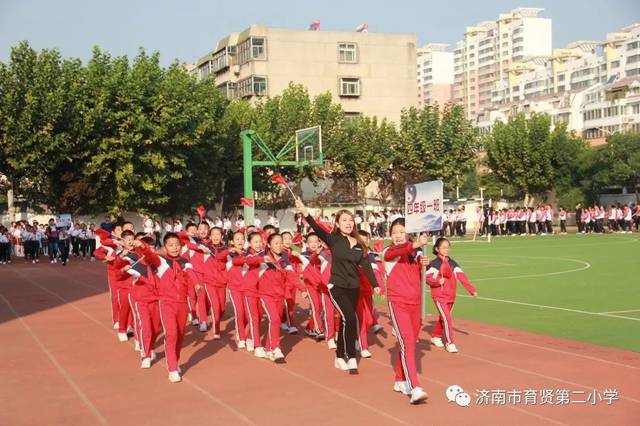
(62, 364)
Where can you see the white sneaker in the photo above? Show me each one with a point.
(293, 330)
(216, 337)
(451, 348)
(260, 352)
(136, 346)
(52, 262)
(153, 356)
(341, 364)
(203, 327)
(146, 363)
(331, 344)
(241, 344)
(93, 259)
(352, 364)
(195, 322)
(437, 341)
(33, 261)
(270, 356)
(284, 327)
(130, 330)
(250, 346)
(277, 356)
(377, 328)
(123, 337)
(365, 353)
(116, 325)
(174, 377)
(418, 395)
(401, 387)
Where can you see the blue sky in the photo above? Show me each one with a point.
(188, 30)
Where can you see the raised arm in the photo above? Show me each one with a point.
(328, 238)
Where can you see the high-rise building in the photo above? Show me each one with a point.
(435, 74)
(593, 86)
(368, 73)
(488, 51)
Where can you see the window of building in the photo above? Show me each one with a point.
(635, 108)
(347, 53)
(228, 89)
(349, 86)
(220, 60)
(632, 59)
(518, 49)
(252, 86)
(633, 72)
(615, 64)
(518, 40)
(351, 116)
(252, 48)
(633, 45)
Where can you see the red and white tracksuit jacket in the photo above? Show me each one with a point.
(198, 302)
(174, 277)
(364, 308)
(275, 275)
(119, 287)
(444, 295)
(312, 278)
(404, 290)
(330, 324)
(108, 248)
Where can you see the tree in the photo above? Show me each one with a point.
(568, 152)
(519, 153)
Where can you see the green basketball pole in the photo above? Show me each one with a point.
(249, 138)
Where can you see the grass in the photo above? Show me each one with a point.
(584, 288)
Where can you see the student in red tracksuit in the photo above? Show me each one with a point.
(331, 326)
(274, 277)
(312, 277)
(173, 276)
(144, 295)
(106, 248)
(215, 278)
(288, 320)
(442, 277)
(235, 274)
(195, 250)
(364, 308)
(403, 261)
(250, 261)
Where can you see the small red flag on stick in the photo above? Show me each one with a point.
(246, 202)
(278, 179)
(201, 211)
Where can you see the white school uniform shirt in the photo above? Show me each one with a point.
(257, 222)
(4, 239)
(563, 215)
(226, 225)
(39, 235)
(148, 226)
(627, 214)
(177, 227)
(357, 220)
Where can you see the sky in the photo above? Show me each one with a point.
(188, 30)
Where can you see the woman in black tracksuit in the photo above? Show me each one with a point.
(348, 254)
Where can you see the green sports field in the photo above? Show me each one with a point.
(585, 287)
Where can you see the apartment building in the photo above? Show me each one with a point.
(490, 48)
(435, 74)
(594, 86)
(368, 73)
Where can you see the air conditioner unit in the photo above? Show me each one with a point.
(236, 69)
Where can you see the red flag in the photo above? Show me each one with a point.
(246, 202)
(297, 239)
(278, 179)
(184, 238)
(201, 211)
(378, 246)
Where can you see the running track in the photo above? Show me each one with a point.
(62, 364)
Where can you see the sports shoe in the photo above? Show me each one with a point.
(174, 377)
(320, 337)
(418, 395)
(123, 337)
(331, 344)
(341, 364)
(203, 327)
(277, 356)
(270, 356)
(260, 352)
(241, 344)
(310, 333)
(451, 348)
(437, 341)
(284, 327)
(216, 337)
(365, 353)
(130, 331)
(93, 259)
(352, 364)
(377, 328)
(293, 330)
(401, 387)
(250, 346)
(146, 363)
